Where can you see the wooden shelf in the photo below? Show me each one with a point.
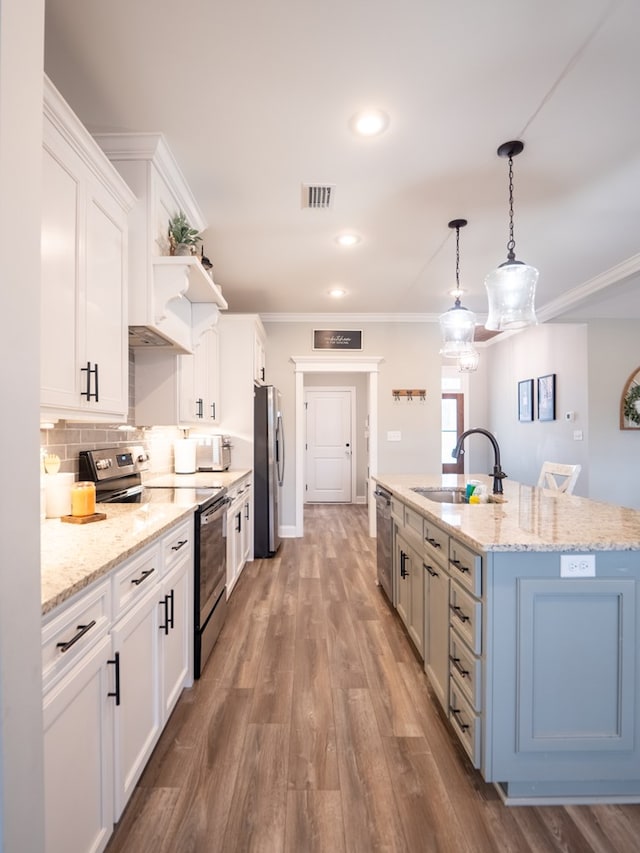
(200, 287)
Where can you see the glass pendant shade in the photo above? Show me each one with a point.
(468, 360)
(511, 290)
(457, 327)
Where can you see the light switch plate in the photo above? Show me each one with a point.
(394, 435)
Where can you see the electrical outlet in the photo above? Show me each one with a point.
(394, 435)
(577, 565)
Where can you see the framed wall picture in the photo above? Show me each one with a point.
(630, 402)
(547, 397)
(525, 400)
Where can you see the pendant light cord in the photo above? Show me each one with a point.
(457, 302)
(511, 245)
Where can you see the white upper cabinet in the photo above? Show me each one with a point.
(163, 288)
(85, 203)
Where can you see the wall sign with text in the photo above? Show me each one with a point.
(337, 339)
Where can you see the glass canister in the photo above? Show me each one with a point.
(83, 498)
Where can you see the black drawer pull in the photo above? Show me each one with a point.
(116, 662)
(433, 542)
(431, 571)
(179, 545)
(460, 567)
(403, 571)
(171, 612)
(166, 625)
(143, 577)
(456, 716)
(456, 662)
(459, 613)
(82, 630)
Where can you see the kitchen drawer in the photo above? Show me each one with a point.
(465, 615)
(466, 724)
(70, 633)
(436, 543)
(466, 669)
(133, 579)
(466, 567)
(177, 543)
(413, 521)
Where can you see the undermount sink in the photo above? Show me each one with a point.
(442, 496)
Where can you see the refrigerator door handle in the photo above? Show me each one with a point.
(280, 449)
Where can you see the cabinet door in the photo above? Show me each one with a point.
(62, 202)
(78, 756)
(234, 542)
(212, 376)
(436, 630)
(416, 625)
(175, 627)
(104, 331)
(137, 717)
(199, 381)
(402, 568)
(191, 404)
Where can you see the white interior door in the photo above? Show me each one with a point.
(329, 445)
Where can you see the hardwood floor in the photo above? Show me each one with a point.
(312, 729)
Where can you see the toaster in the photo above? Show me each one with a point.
(213, 452)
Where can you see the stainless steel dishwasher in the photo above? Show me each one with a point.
(383, 534)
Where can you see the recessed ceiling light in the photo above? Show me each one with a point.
(369, 122)
(348, 239)
(337, 292)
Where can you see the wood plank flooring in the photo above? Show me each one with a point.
(312, 729)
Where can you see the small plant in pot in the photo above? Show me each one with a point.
(182, 237)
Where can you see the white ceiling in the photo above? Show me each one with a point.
(255, 98)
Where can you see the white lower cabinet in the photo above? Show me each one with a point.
(238, 531)
(115, 660)
(78, 755)
(137, 712)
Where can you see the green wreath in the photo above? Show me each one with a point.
(629, 408)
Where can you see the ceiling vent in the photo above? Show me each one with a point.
(319, 196)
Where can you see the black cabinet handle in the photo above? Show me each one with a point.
(262, 373)
(90, 371)
(459, 613)
(171, 612)
(238, 522)
(246, 512)
(199, 407)
(403, 571)
(116, 662)
(181, 542)
(456, 662)
(431, 571)
(460, 567)
(166, 626)
(456, 716)
(213, 411)
(433, 542)
(143, 577)
(82, 630)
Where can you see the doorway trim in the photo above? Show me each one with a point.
(352, 437)
(336, 364)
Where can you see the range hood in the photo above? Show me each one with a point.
(162, 288)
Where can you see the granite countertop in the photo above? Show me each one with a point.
(75, 555)
(530, 519)
(199, 480)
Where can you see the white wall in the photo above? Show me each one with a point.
(614, 454)
(21, 774)
(534, 352)
(410, 360)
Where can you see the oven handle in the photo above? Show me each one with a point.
(214, 512)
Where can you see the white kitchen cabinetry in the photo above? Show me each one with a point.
(113, 670)
(242, 346)
(181, 390)
(409, 574)
(85, 204)
(78, 725)
(436, 610)
(238, 528)
(135, 647)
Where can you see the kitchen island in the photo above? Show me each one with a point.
(527, 613)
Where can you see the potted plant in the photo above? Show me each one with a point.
(182, 237)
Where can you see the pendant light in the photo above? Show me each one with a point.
(468, 360)
(511, 287)
(458, 324)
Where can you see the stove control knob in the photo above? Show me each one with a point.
(143, 457)
(103, 464)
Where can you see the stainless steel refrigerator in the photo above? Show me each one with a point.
(268, 470)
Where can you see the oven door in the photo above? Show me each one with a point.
(211, 559)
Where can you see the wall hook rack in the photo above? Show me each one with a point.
(411, 394)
